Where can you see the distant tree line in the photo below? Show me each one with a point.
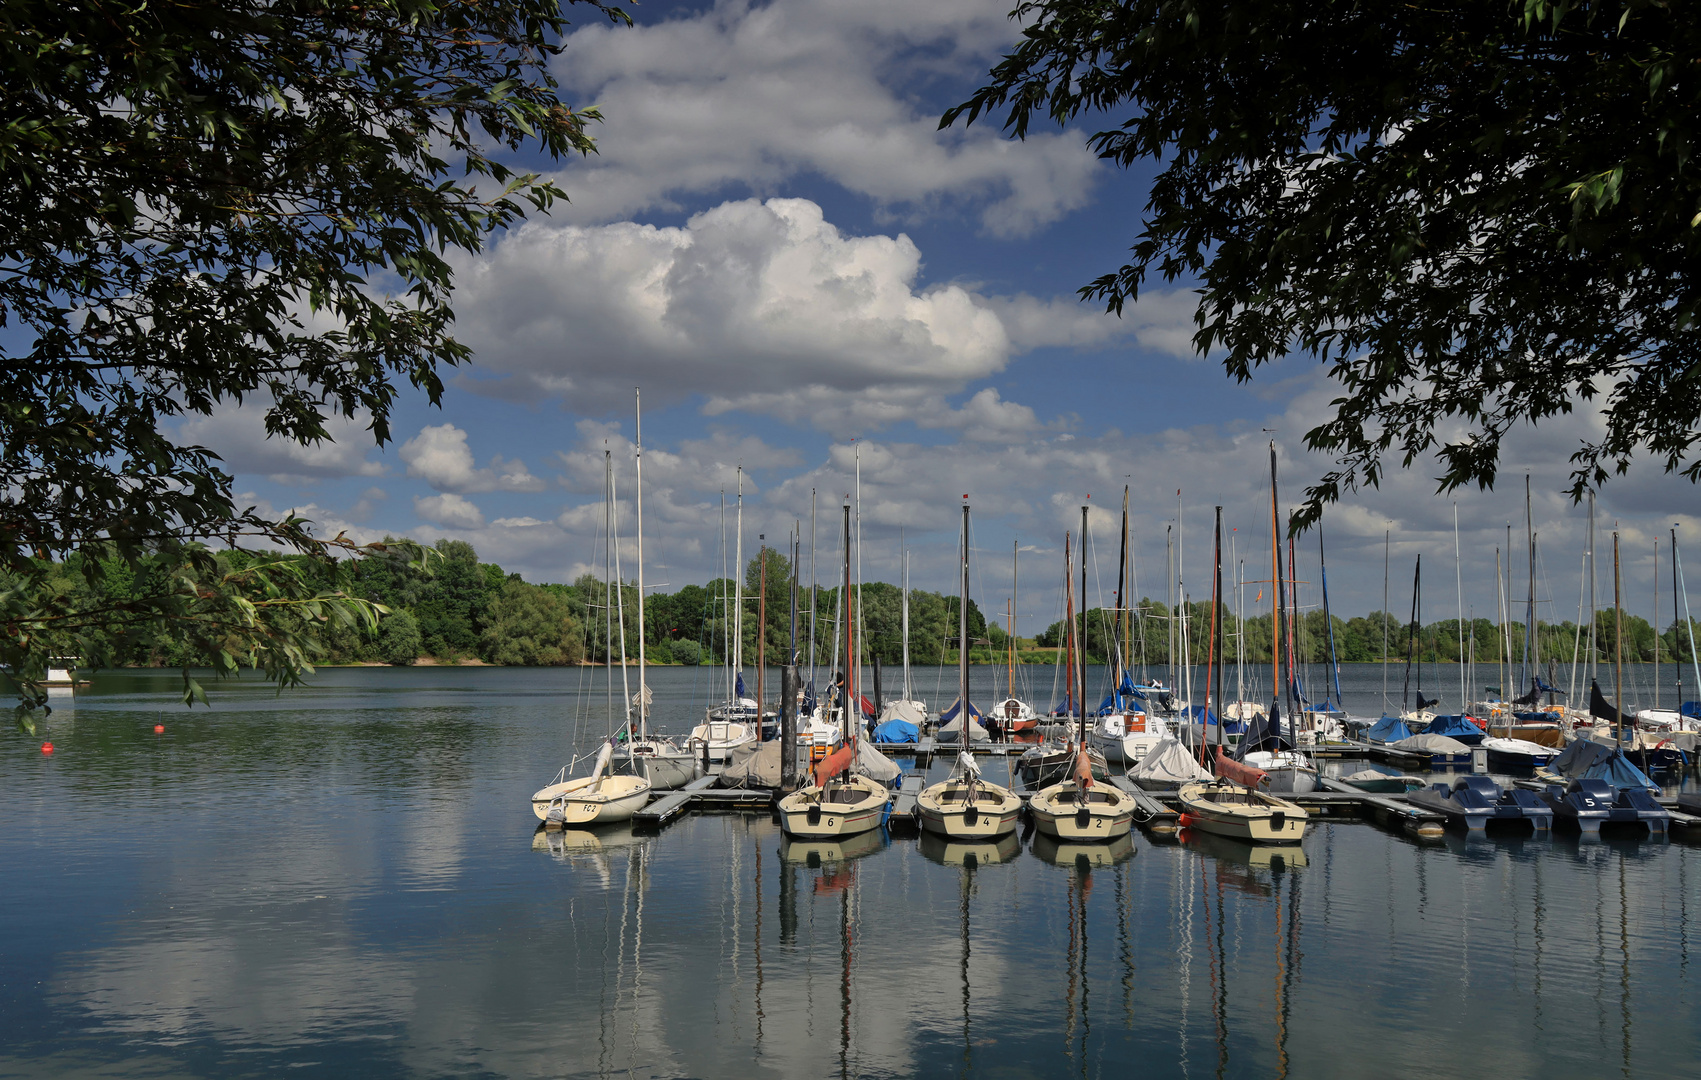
(459, 609)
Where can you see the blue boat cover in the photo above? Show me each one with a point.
(1586, 759)
(896, 731)
(1454, 727)
(1122, 697)
(1196, 713)
(1691, 709)
(1389, 729)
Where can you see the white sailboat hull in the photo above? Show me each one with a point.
(1226, 809)
(945, 809)
(1060, 811)
(843, 808)
(583, 802)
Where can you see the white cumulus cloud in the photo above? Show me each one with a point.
(449, 510)
(440, 456)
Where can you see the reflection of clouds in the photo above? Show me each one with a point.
(289, 982)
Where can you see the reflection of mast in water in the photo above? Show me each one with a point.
(1287, 967)
(845, 977)
(1624, 961)
(964, 882)
(1080, 886)
(758, 946)
(1124, 949)
(1540, 936)
(1215, 964)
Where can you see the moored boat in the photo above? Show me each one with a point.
(1475, 801)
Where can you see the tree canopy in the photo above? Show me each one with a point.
(214, 203)
(1477, 215)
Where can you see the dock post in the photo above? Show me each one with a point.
(788, 727)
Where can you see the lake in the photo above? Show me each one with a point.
(346, 879)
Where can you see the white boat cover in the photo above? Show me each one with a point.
(757, 765)
(910, 712)
(1168, 762)
(875, 765)
(1431, 744)
(1518, 746)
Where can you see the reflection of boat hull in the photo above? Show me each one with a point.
(584, 841)
(1245, 852)
(966, 853)
(946, 808)
(1059, 811)
(794, 849)
(584, 802)
(843, 808)
(1065, 853)
(1230, 810)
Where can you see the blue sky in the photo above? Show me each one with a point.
(777, 245)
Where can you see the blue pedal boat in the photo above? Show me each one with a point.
(1475, 801)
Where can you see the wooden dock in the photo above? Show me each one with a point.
(700, 794)
(1150, 814)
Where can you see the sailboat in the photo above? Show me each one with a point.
(966, 807)
(901, 720)
(1123, 730)
(1013, 714)
(1077, 808)
(604, 796)
(1054, 760)
(735, 721)
(838, 801)
(1233, 804)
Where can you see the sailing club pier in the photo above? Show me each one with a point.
(1156, 813)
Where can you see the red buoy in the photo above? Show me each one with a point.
(159, 729)
(47, 748)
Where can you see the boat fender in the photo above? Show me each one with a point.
(1185, 821)
(814, 816)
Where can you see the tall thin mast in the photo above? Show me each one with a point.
(814, 592)
(851, 699)
(861, 626)
(1082, 639)
(738, 593)
(1411, 641)
(1688, 623)
(1617, 640)
(1275, 585)
(904, 557)
(1069, 642)
(638, 448)
(1122, 594)
(1532, 652)
(1329, 620)
(963, 635)
(1594, 576)
(1010, 620)
(1657, 622)
(1386, 533)
(1459, 585)
(1214, 692)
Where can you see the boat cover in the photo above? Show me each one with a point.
(1454, 727)
(1168, 762)
(896, 731)
(1389, 729)
(875, 765)
(753, 765)
(1587, 759)
(1427, 743)
(1264, 733)
(948, 722)
(908, 711)
(1123, 697)
(1691, 709)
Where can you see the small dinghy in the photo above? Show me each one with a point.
(1474, 801)
(1517, 753)
(1380, 783)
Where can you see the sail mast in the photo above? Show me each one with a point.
(1082, 727)
(963, 635)
(1459, 585)
(638, 447)
(1532, 653)
(1275, 586)
(738, 596)
(850, 701)
(1689, 625)
(1617, 640)
(1214, 692)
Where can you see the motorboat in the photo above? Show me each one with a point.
(1517, 753)
(720, 737)
(1475, 801)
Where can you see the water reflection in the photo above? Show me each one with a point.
(401, 920)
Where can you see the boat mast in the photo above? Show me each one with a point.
(1532, 652)
(1275, 586)
(963, 638)
(1594, 576)
(1617, 640)
(1689, 625)
(1240, 621)
(1214, 692)
(1082, 726)
(1122, 622)
(814, 592)
(1328, 620)
(1459, 585)
(611, 579)
(850, 702)
(1015, 594)
(1386, 533)
(738, 597)
(1411, 643)
(1169, 594)
(1656, 622)
(904, 558)
(1069, 641)
(638, 447)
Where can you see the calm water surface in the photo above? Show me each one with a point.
(346, 879)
